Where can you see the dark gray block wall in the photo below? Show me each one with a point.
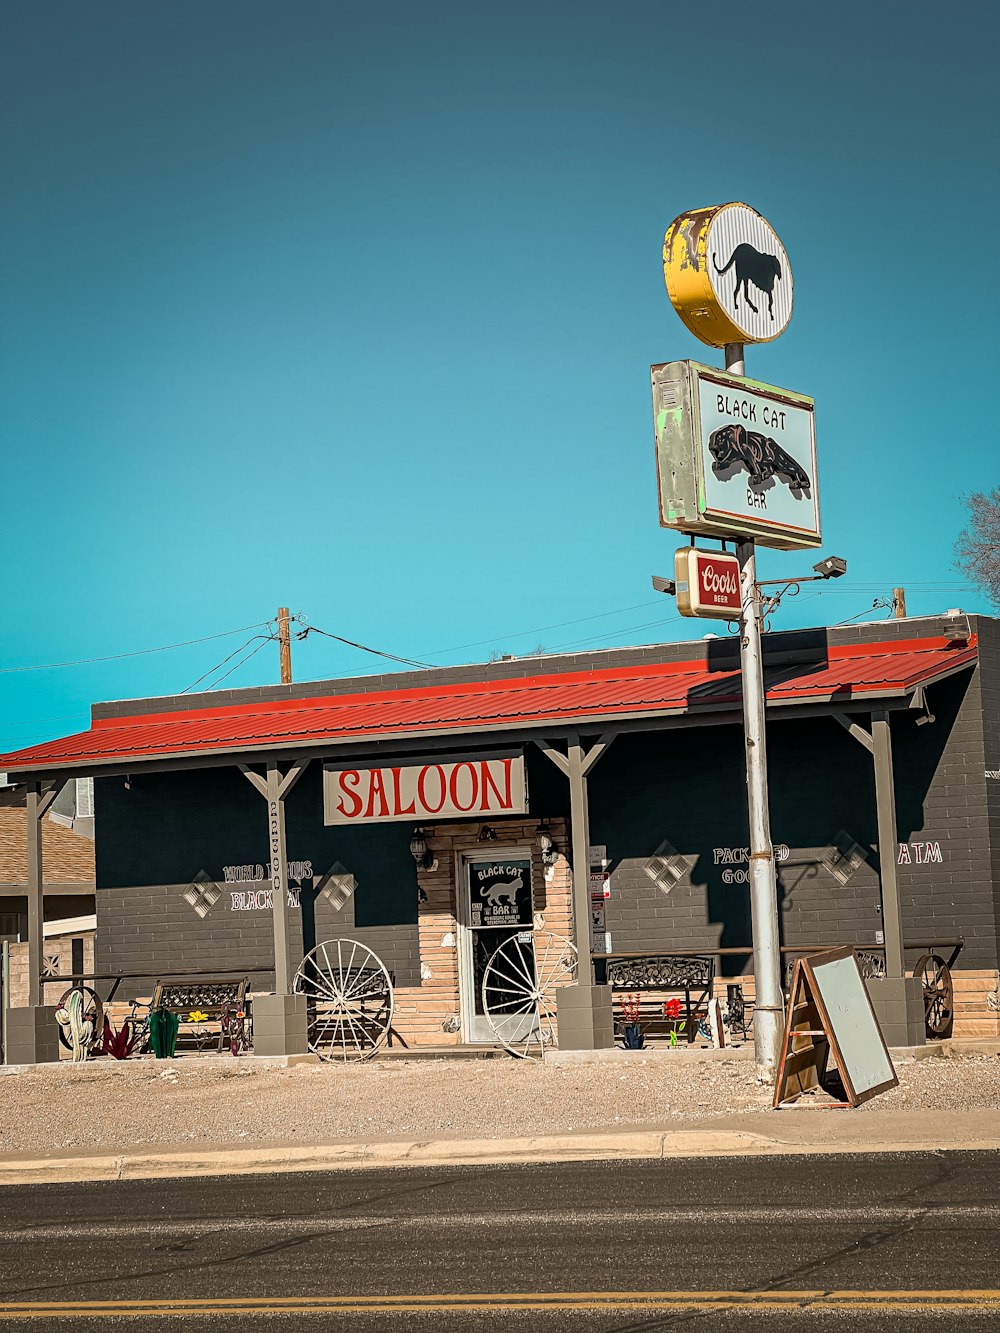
(688, 788)
(163, 837)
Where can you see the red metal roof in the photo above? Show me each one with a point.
(848, 672)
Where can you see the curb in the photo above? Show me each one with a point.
(456, 1152)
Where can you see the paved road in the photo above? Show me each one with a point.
(720, 1243)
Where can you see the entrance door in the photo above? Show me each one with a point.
(497, 905)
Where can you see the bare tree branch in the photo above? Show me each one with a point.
(977, 551)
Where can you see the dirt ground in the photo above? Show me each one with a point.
(202, 1102)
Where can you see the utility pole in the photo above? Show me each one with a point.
(899, 603)
(769, 1006)
(285, 645)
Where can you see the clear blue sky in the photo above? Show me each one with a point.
(351, 308)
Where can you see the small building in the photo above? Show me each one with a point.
(425, 813)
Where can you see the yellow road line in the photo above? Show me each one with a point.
(896, 1301)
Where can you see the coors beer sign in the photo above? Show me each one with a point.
(708, 583)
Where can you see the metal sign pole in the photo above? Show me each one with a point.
(769, 1009)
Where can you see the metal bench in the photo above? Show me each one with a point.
(650, 978)
(219, 998)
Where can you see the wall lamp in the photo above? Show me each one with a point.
(487, 834)
(545, 844)
(423, 857)
(547, 847)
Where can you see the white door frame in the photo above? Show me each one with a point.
(466, 984)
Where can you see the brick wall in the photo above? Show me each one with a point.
(429, 1014)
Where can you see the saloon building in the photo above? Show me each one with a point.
(601, 797)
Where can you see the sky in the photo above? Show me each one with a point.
(351, 308)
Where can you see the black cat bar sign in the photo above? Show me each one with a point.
(728, 275)
(734, 457)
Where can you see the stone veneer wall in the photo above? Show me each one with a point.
(426, 1012)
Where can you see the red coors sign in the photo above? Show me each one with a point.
(708, 583)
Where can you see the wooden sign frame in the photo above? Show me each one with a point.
(811, 1037)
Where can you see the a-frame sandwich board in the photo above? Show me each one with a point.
(830, 1013)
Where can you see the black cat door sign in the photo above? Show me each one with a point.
(728, 275)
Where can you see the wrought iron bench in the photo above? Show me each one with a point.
(647, 980)
(219, 998)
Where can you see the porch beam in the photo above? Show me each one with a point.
(597, 751)
(858, 732)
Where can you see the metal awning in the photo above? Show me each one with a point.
(846, 676)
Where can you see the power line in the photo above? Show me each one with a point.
(879, 604)
(271, 639)
(392, 657)
(140, 652)
(268, 638)
(541, 629)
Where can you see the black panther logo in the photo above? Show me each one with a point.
(752, 266)
(734, 447)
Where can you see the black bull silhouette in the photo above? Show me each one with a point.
(734, 447)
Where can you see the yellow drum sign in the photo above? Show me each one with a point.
(728, 275)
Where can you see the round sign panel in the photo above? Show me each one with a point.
(728, 275)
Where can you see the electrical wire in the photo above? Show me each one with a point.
(629, 629)
(879, 604)
(392, 657)
(140, 652)
(212, 670)
(541, 629)
(271, 639)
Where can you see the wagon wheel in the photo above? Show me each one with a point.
(939, 995)
(349, 1000)
(519, 986)
(93, 1012)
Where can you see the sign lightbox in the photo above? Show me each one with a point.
(728, 275)
(735, 457)
(708, 584)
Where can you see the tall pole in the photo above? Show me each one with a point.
(769, 1005)
(899, 603)
(285, 645)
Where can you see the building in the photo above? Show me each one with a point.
(424, 813)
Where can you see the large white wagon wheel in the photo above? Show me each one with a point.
(519, 990)
(349, 1000)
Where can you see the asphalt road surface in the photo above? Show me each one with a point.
(893, 1242)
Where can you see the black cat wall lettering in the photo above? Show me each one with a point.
(734, 447)
(752, 266)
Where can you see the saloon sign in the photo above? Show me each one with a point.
(467, 788)
(734, 457)
(708, 584)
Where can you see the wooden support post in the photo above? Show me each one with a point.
(279, 878)
(38, 804)
(274, 788)
(885, 803)
(580, 839)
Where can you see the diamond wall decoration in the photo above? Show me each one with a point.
(202, 894)
(666, 866)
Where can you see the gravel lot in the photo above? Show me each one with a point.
(197, 1102)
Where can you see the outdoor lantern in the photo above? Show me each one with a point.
(487, 834)
(419, 850)
(546, 845)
